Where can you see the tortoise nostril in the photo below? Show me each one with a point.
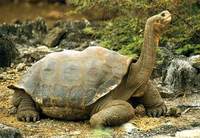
(163, 14)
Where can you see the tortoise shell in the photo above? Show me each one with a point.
(74, 78)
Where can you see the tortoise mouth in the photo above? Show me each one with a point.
(168, 19)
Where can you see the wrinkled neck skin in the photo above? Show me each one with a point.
(146, 62)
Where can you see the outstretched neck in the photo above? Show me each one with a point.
(147, 59)
(140, 71)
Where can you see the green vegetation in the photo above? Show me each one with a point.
(103, 9)
(124, 30)
(189, 49)
(122, 35)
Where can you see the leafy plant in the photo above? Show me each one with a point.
(189, 49)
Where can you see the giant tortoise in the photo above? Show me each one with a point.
(94, 84)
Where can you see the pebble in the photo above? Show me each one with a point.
(20, 66)
(1, 77)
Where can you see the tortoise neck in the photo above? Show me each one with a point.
(139, 72)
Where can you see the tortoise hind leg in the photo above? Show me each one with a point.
(114, 113)
(26, 109)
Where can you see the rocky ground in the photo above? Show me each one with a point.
(33, 40)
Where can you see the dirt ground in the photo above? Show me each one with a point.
(50, 127)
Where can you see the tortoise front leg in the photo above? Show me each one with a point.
(26, 110)
(153, 102)
(114, 113)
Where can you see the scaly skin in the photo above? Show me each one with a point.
(26, 109)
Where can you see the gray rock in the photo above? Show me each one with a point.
(191, 101)
(26, 31)
(129, 130)
(9, 132)
(53, 37)
(195, 60)
(193, 133)
(69, 44)
(163, 129)
(164, 58)
(180, 77)
(30, 55)
(75, 36)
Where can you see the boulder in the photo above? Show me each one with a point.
(25, 32)
(30, 54)
(181, 77)
(9, 132)
(54, 36)
(8, 52)
(75, 36)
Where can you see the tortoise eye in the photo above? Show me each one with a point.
(163, 14)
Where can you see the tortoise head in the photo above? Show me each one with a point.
(160, 21)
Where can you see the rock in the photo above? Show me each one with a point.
(20, 66)
(68, 44)
(180, 77)
(164, 91)
(53, 37)
(193, 133)
(128, 130)
(190, 101)
(9, 132)
(30, 55)
(163, 129)
(164, 57)
(8, 52)
(195, 60)
(75, 36)
(43, 49)
(1, 77)
(174, 111)
(25, 32)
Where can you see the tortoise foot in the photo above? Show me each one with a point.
(157, 111)
(28, 116)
